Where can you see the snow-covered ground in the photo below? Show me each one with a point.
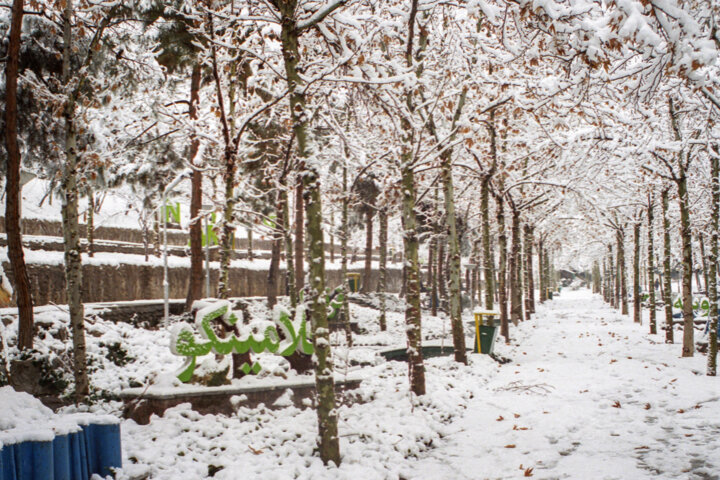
(588, 394)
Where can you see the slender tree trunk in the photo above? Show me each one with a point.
(367, 272)
(667, 271)
(289, 255)
(454, 264)
(703, 258)
(228, 226)
(90, 227)
(622, 272)
(432, 274)
(516, 309)
(488, 264)
(502, 268)
(686, 237)
(273, 278)
(332, 239)
(713, 263)
(382, 281)
(71, 230)
(651, 265)
(310, 180)
(529, 283)
(440, 269)
(196, 253)
(250, 249)
(299, 234)
(344, 255)
(637, 308)
(16, 255)
(541, 271)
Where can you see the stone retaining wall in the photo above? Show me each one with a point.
(110, 283)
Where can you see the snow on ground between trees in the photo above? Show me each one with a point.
(588, 394)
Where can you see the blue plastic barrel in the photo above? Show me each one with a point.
(61, 457)
(106, 452)
(35, 460)
(78, 456)
(8, 469)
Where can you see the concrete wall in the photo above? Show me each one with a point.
(105, 283)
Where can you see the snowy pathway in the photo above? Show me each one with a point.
(588, 395)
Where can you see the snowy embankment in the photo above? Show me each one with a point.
(587, 395)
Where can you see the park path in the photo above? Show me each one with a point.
(588, 395)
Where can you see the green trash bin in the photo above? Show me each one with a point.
(354, 282)
(486, 331)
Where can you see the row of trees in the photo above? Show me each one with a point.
(499, 131)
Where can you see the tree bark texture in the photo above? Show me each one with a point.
(21, 282)
(651, 265)
(637, 307)
(667, 269)
(196, 253)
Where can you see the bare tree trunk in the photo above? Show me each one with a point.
(382, 281)
(622, 272)
(516, 309)
(637, 308)
(273, 278)
(713, 263)
(488, 264)
(327, 414)
(651, 265)
(432, 274)
(196, 253)
(412, 270)
(529, 281)
(704, 261)
(71, 230)
(454, 263)
(299, 234)
(686, 237)
(667, 271)
(90, 227)
(502, 268)
(541, 271)
(16, 255)
(367, 273)
(289, 255)
(440, 270)
(344, 255)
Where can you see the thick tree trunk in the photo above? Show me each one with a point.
(502, 268)
(327, 413)
(713, 263)
(651, 265)
(299, 237)
(667, 270)
(16, 256)
(412, 270)
(228, 226)
(196, 253)
(637, 308)
(686, 237)
(367, 272)
(71, 230)
(516, 308)
(454, 264)
(382, 281)
(488, 264)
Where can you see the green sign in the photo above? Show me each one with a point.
(184, 343)
(172, 214)
(700, 305)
